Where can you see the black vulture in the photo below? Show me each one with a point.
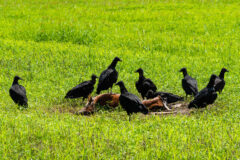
(169, 97)
(189, 84)
(84, 89)
(18, 93)
(144, 84)
(219, 81)
(108, 77)
(205, 96)
(130, 102)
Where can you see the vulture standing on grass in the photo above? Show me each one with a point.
(143, 84)
(84, 89)
(205, 96)
(130, 102)
(108, 77)
(18, 93)
(219, 81)
(169, 97)
(189, 84)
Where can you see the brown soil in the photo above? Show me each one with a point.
(176, 108)
(90, 107)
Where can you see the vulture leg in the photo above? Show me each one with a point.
(83, 100)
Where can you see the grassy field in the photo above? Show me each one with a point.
(54, 44)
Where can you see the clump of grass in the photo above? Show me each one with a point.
(64, 33)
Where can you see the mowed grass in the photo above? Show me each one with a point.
(53, 45)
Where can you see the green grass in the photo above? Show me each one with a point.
(55, 44)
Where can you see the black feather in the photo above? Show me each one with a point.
(108, 77)
(18, 93)
(143, 84)
(206, 96)
(169, 97)
(84, 89)
(130, 102)
(219, 81)
(189, 84)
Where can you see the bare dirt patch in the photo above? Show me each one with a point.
(110, 102)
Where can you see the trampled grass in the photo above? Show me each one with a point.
(56, 44)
